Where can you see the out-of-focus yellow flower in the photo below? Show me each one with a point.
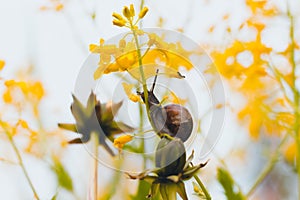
(259, 6)
(197, 190)
(122, 140)
(37, 90)
(290, 153)
(7, 97)
(31, 89)
(54, 5)
(175, 99)
(59, 7)
(23, 123)
(128, 88)
(2, 64)
(33, 137)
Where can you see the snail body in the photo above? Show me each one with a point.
(172, 119)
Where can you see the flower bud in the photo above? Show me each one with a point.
(122, 140)
(118, 23)
(126, 12)
(117, 16)
(132, 11)
(143, 12)
(170, 157)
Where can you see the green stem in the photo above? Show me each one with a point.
(269, 167)
(95, 141)
(20, 160)
(142, 147)
(142, 4)
(203, 188)
(145, 89)
(296, 98)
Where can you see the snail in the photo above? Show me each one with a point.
(172, 119)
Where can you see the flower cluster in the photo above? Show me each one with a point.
(128, 56)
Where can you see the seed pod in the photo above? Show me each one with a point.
(170, 156)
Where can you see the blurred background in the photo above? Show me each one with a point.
(47, 41)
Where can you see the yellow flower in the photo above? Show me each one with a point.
(37, 90)
(122, 140)
(2, 63)
(55, 5)
(59, 7)
(175, 99)
(7, 97)
(128, 88)
(259, 6)
(23, 124)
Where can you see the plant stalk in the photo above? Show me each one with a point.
(95, 141)
(203, 188)
(269, 167)
(20, 160)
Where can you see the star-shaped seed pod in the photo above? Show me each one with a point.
(95, 118)
(172, 170)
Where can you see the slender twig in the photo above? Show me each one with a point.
(203, 188)
(271, 164)
(279, 77)
(20, 160)
(95, 141)
(145, 89)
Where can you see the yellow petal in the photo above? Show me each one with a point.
(2, 63)
(23, 124)
(127, 89)
(122, 140)
(290, 153)
(7, 97)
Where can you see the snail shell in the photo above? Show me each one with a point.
(172, 119)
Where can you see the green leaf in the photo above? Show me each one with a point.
(229, 186)
(142, 191)
(63, 178)
(54, 197)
